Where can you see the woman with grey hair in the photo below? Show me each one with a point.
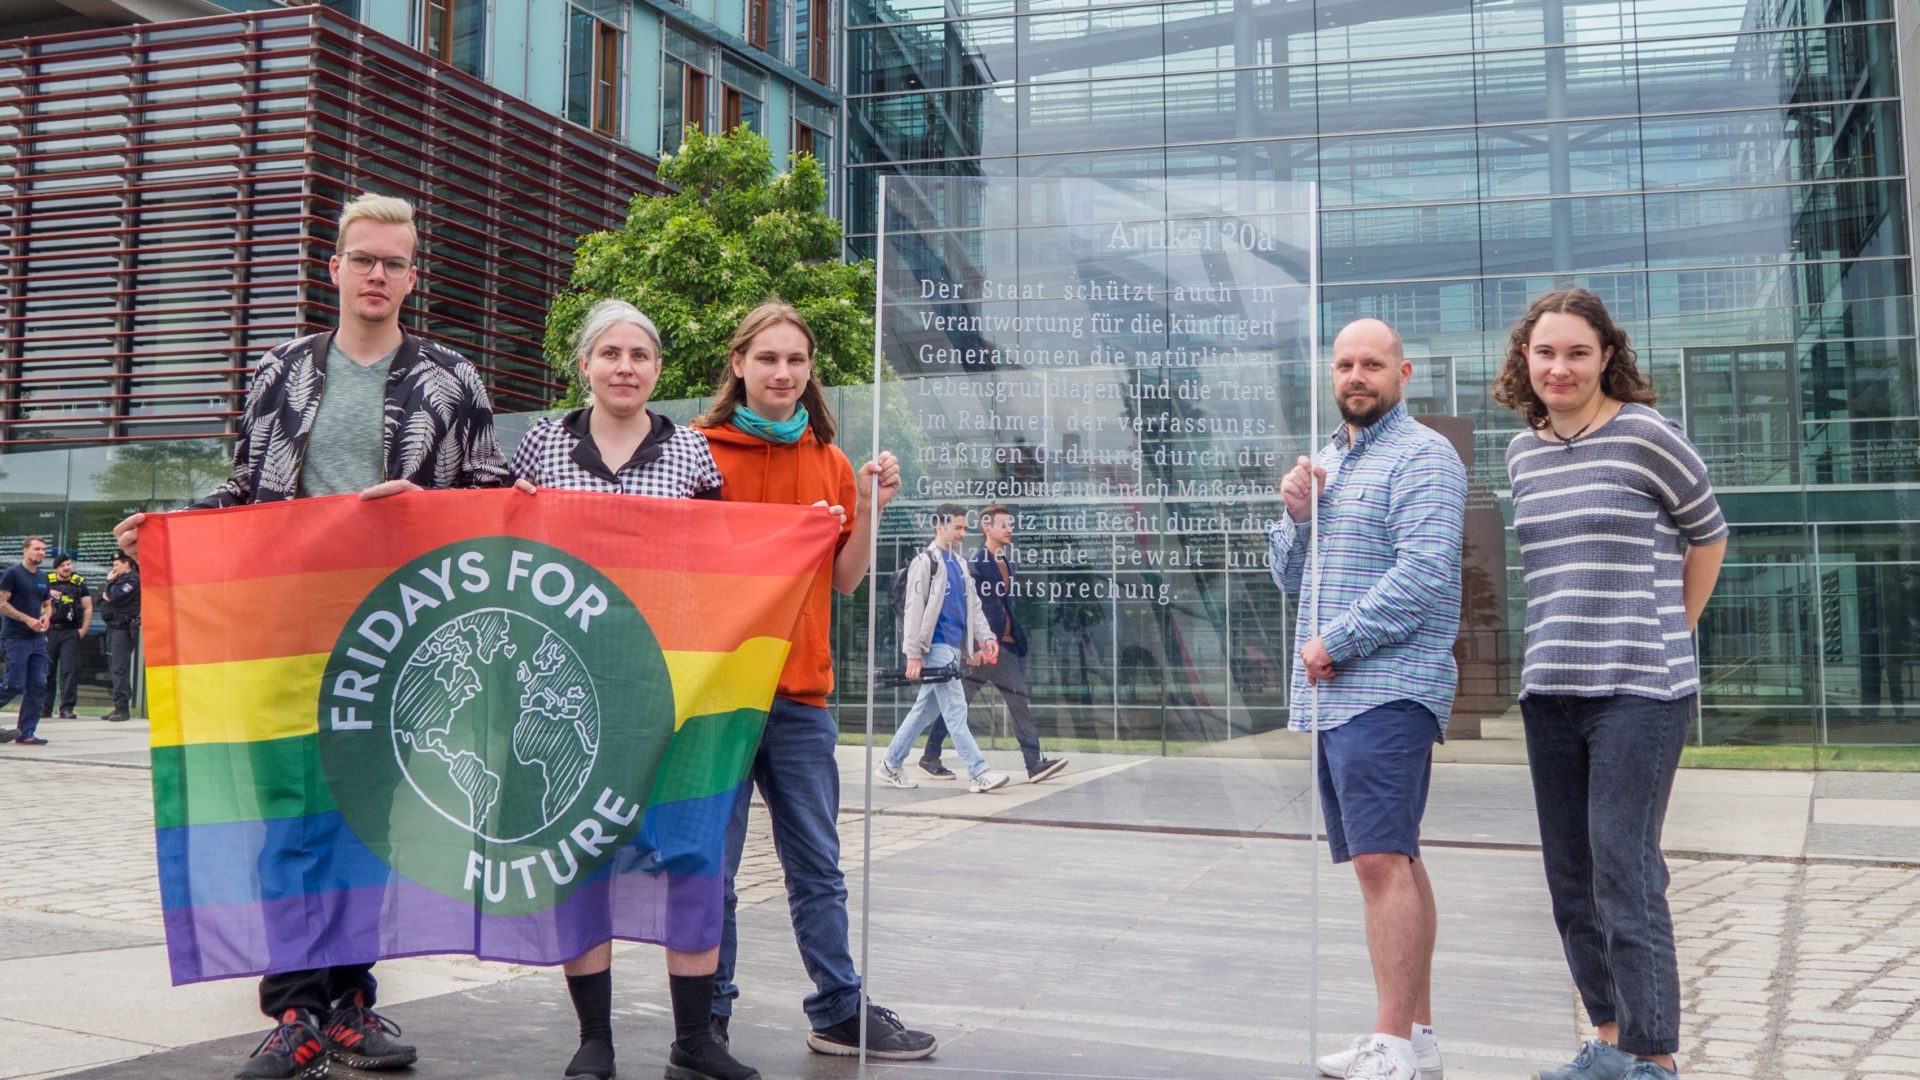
(616, 445)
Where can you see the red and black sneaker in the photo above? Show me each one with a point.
(292, 1051)
(363, 1039)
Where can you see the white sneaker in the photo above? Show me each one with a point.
(1335, 1064)
(987, 781)
(893, 777)
(1378, 1061)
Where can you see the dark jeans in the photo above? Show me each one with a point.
(800, 781)
(1010, 675)
(26, 679)
(315, 990)
(1602, 771)
(120, 644)
(63, 670)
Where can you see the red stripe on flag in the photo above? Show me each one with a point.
(609, 531)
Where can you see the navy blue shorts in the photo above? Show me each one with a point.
(1374, 771)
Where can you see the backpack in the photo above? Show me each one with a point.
(898, 588)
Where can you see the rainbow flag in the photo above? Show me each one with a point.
(457, 721)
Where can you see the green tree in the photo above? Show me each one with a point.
(732, 235)
(165, 470)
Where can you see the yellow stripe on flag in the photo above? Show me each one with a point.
(710, 683)
(235, 701)
(256, 700)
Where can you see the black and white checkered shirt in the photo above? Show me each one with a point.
(672, 463)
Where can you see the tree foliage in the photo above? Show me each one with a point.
(731, 236)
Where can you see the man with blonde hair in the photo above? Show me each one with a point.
(363, 408)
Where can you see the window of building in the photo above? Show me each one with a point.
(349, 8)
(743, 95)
(596, 52)
(811, 54)
(684, 77)
(454, 32)
(758, 23)
(813, 134)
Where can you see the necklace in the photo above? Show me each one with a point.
(1567, 440)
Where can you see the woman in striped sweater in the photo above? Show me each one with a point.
(1621, 541)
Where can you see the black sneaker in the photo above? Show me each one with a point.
(292, 1051)
(936, 770)
(116, 717)
(708, 1061)
(67, 714)
(594, 1059)
(887, 1038)
(7, 735)
(362, 1038)
(1048, 767)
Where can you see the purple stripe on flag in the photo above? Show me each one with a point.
(358, 926)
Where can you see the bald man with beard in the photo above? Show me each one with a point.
(1375, 675)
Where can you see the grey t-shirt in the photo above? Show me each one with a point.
(344, 455)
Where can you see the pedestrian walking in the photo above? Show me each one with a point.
(772, 434)
(1392, 500)
(70, 616)
(365, 408)
(1621, 541)
(943, 626)
(618, 350)
(27, 605)
(993, 579)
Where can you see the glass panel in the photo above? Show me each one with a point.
(1786, 68)
(1388, 28)
(1820, 221)
(580, 51)
(947, 124)
(1423, 241)
(1506, 24)
(1421, 167)
(468, 48)
(673, 76)
(1771, 146)
(1554, 84)
(1560, 159)
(1121, 365)
(1388, 94)
(932, 55)
(1089, 44)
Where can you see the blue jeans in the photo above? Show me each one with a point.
(939, 701)
(800, 781)
(26, 674)
(1602, 772)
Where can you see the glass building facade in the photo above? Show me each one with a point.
(1730, 175)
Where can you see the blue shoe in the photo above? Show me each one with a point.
(1647, 1070)
(1596, 1061)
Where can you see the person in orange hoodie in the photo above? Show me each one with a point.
(772, 436)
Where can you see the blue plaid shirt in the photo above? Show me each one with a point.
(1394, 514)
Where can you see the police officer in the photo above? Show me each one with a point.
(72, 615)
(120, 607)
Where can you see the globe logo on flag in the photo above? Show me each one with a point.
(491, 717)
(441, 738)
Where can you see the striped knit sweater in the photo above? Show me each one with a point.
(1603, 525)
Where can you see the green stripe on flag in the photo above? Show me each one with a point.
(708, 755)
(215, 783)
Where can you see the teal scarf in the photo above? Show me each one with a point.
(779, 432)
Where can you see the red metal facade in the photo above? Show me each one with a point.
(167, 197)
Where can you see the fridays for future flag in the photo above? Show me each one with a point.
(457, 721)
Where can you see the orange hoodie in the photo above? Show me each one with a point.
(800, 475)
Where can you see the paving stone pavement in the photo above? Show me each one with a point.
(1790, 969)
